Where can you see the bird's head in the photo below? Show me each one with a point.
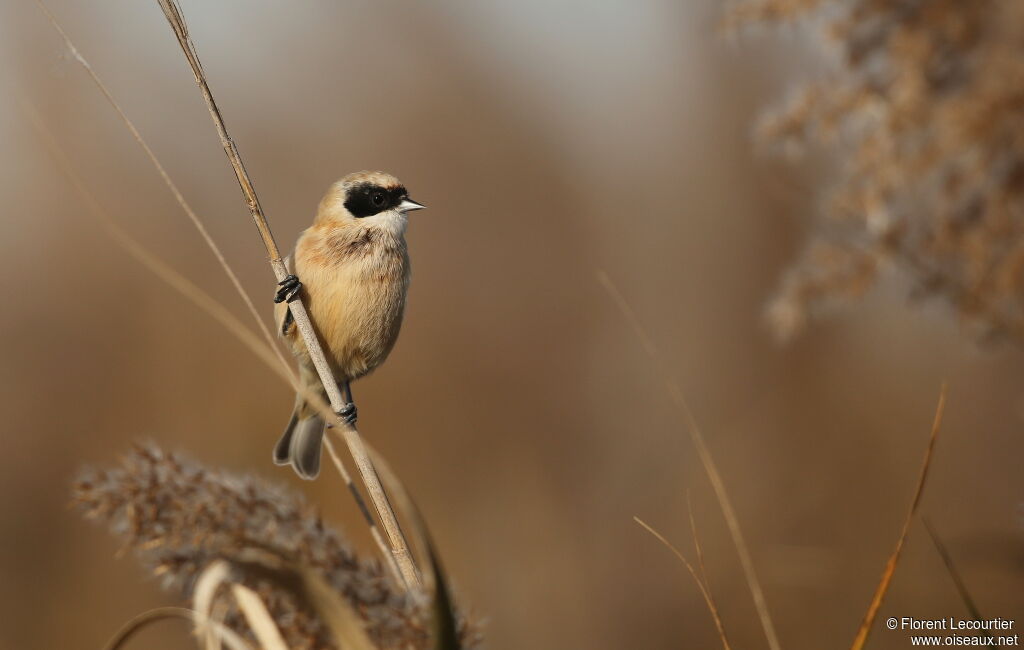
(367, 198)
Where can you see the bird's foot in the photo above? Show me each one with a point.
(289, 291)
(348, 413)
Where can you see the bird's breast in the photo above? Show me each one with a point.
(355, 286)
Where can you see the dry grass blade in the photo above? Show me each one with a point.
(704, 590)
(145, 619)
(746, 560)
(890, 568)
(258, 618)
(958, 581)
(354, 442)
(178, 196)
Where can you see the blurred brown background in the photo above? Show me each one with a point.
(550, 142)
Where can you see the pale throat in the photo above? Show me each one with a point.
(390, 223)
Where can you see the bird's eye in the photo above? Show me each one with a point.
(377, 198)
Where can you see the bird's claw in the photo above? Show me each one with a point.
(289, 291)
(348, 413)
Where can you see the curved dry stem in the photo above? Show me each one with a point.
(705, 591)
(145, 619)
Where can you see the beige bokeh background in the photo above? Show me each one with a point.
(550, 142)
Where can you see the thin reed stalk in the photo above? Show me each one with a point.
(396, 538)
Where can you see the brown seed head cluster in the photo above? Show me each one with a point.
(180, 517)
(924, 108)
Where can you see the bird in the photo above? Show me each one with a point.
(351, 268)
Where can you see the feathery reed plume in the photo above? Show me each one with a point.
(924, 107)
(180, 517)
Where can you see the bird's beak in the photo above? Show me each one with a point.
(408, 205)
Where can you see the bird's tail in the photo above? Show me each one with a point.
(301, 442)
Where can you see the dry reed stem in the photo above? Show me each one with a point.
(890, 568)
(399, 545)
(708, 462)
(208, 304)
(145, 619)
(958, 581)
(705, 590)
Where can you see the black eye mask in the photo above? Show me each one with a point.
(367, 199)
